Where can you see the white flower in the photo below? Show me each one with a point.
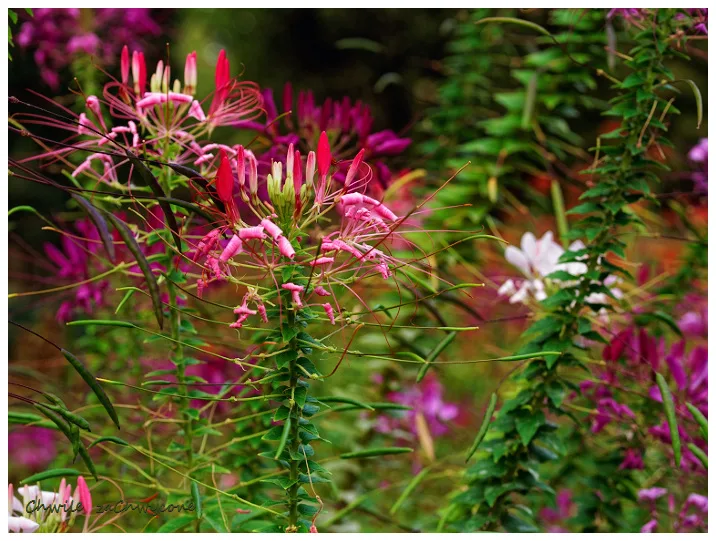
(539, 258)
(21, 524)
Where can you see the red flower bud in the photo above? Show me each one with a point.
(124, 64)
(224, 178)
(323, 154)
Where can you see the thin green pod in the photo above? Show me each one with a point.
(284, 437)
(143, 264)
(88, 461)
(50, 474)
(670, 412)
(197, 498)
(93, 384)
(70, 417)
(101, 322)
(444, 343)
(698, 453)
(409, 489)
(342, 400)
(99, 223)
(112, 439)
(483, 427)
(378, 451)
(699, 418)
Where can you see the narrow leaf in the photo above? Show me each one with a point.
(197, 498)
(99, 223)
(699, 418)
(143, 264)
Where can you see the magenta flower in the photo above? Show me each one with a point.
(347, 124)
(699, 156)
(425, 398)
(74, 263)
(555, 518)
(59, 35)
(32, 447)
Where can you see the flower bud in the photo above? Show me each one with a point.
(353, 169)
(124, 65)
(324, 154)
(241, 165)
(139, 73)
(310, 168)
(190, 74)
(224, 178)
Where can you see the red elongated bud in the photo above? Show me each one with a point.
(324, 154)
(224, 178)
(353, 169)
(124, 65)
(222, 73)
(139, 73)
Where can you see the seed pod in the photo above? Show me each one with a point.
(99, 223)
(379, 451)
(143, 264)
(483, 427)
(93, 383)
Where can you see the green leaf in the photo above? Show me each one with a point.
(670, 412)
(176, 524)
(528, 424)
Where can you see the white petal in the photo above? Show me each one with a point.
(21, 524)
(508, 288)
(516, 257)
(521, 294)
(529, 245)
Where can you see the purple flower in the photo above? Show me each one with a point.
(348, 126)
(426, 398)
(651, 494)
(632, 460)
(32, 447)
(74, 264)
(59, 35)
(565, 510)
(629, 14)
(699, 156)
(608, 410)
(650, 526)
(695, 323)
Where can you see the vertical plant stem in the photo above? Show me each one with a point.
(294, 417)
